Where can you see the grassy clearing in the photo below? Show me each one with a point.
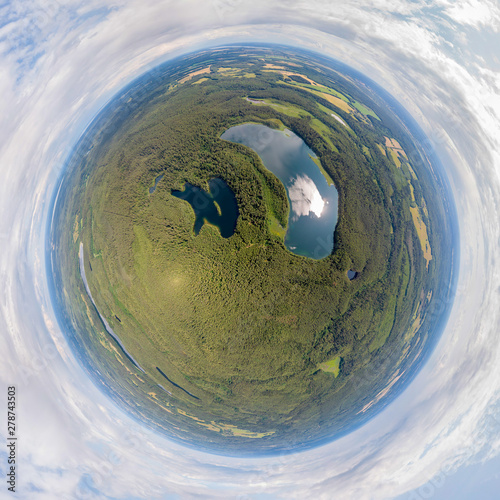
(423, 206)
(394, 144)
(331, 366)
(201, 80)
(339, 103)
(273, 66)
(395, 158)
(415, 325)
(328, 178)
(329, 112)
(288, 63)
(321, 88)
(232, 429)
(76, 232)
(324, 132)
(365, 109)
(291, 73)
(276, 228)
(412, 172)
(349, 103)
(283, 107)
(193, 74)
(422, 234)
(396, 151)
(412, 190)
(235, 73)
(227, 429)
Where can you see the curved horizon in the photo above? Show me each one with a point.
(77, 442)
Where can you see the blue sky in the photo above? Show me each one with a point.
(61, 61)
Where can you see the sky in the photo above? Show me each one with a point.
(62, 60)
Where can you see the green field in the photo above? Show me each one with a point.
(331, 366)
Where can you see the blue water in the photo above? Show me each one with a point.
(313, 203)
(157, 180)
(205, 205)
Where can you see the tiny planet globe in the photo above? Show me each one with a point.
(251, 249)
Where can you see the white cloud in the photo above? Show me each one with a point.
(305, 197)
(70, 430)
(475, 13)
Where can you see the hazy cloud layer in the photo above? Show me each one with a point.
(61, 61)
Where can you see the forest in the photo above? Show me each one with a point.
(240, 327)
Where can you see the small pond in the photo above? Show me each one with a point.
(218, 207)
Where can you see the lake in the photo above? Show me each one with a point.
(313, 203)
(218, 207)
